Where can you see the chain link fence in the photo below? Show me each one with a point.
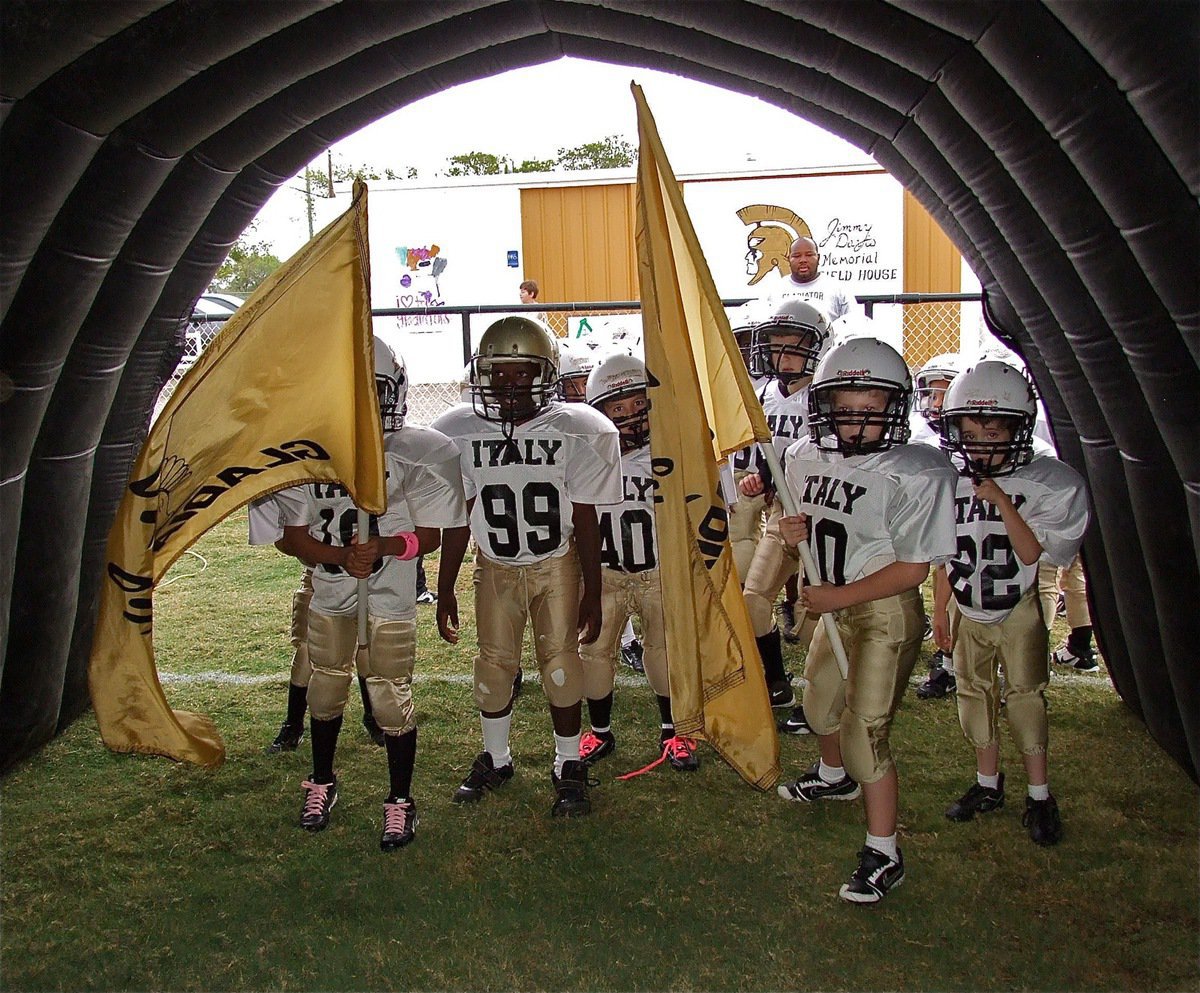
(929, 324)
(923, 325)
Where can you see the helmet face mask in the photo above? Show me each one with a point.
(391, 386)
(987, 420)
(859, 400)
(931, 383)
(514, 374)
(617, 388)
(575, 363)
(787, 346)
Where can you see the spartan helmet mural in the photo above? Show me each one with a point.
(771, 239)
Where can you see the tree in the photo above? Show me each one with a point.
(247, 264)
(479, 164)
(613, 152)
(537, 165)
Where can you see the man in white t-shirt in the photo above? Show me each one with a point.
(808, 284)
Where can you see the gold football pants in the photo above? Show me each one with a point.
(882, 639)
(546, 593)
(625, 594)
(387, 666)
(1020, 643)
(774, 563)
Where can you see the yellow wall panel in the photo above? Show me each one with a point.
(578, 242)
(931, 265)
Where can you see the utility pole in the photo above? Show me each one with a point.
(308, 203)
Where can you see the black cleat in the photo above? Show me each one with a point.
(681, 753)
(795, 722)
(593, 747)
(572, 789)
(319, 800)
(632, 656)
(399, 824)
(940, 683)
(1042, 821)
(1086, 662)
(483, 776)
(875, 876)
(288, 739)
(977, 800)
(782, 696)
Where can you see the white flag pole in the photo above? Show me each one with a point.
(364, 532)
(783, 494)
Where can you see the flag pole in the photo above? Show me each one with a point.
(364, 528)
(810, 569)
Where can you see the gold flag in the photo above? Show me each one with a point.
(284, 394)
(702, 408)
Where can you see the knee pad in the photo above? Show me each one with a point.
(562, 678)
(494, 682)
(332, 643)
(866, 752)
(389, 664)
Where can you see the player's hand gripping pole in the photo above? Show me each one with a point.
(783, 494)
(364, 529)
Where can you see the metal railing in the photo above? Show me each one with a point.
(932, 323)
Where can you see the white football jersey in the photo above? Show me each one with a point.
(868, 511)
(787, 416)
(628, 537)
(265, 520)
(986, 576)
(920, 432)
(424, 489)
(523, 489)
(825, 293)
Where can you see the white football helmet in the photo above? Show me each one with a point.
(846, 372)
(509, 344)
(575, 362)
(927, 399)
(797, 329)
(990, 390)
(852, 325)
(617, 377)
(391, 383)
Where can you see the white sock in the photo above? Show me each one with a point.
(1039, 792)
(948, 663)
(604, 730)
(565, 750)
(831, 773)
(627, 635)
(495, 738)
(991, 782)
(886, 845)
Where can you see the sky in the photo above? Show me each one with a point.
(531, 113)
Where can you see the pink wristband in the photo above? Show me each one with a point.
(411, 545)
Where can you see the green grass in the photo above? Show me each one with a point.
(129, 873)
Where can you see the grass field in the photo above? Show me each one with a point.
(131, 873)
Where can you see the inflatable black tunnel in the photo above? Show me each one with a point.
(1057, 143)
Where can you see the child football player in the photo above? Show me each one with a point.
(787, 348)
(629, 553)
(424, 495)
(874, 511)
(534, 470)
(1012, 508)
